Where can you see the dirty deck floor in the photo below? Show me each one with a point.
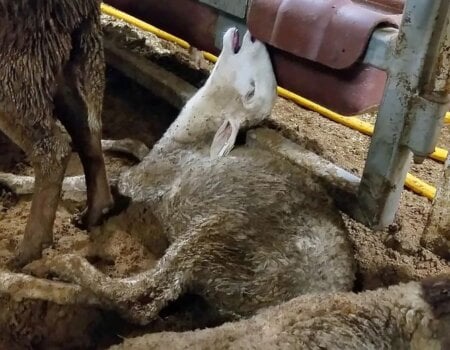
(384, 257)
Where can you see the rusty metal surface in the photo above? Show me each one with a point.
(334, 33)
(348, 91)
(188, 19)
(391, 6)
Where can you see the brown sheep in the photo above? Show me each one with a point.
(51, 83)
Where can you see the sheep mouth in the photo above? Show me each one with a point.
(236, 44)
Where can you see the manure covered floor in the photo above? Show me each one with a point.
(384, 257)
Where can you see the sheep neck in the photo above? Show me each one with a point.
(201, 117)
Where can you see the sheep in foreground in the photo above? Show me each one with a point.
(411, 316)
(45, 45)
(246, 229)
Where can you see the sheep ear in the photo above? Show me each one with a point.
(224, 139)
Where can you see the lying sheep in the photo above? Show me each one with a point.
(413, 316)
(246, 229)
(45, 45)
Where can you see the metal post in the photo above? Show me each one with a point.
(231, 14)
(411, 113)
(436, 236)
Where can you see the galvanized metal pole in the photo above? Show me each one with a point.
(412, 110)
(436, 236)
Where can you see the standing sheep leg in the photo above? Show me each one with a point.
(47, 145)
(82, 106)
(49, 162)
(99, 198)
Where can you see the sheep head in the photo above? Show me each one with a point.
(240, 92)
(244, 81)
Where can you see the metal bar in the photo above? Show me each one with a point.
(436, 235)
(380, 48)
(236, 8)
(223, 23)
(413, 67)
(159, 81)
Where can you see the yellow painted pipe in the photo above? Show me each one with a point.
(420, 187)
(447, 118)
(439, 154)
(415, 184)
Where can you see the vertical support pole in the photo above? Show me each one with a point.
(436, 236)
(412, 67)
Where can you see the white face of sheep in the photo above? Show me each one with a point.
(244, 80)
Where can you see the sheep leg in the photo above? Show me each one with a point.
(17, 183)
(23, 185)
(47, 145)
(81, 103)
(22, 286)
(127, 146)
(139, 298)
(49, 162)
(193, 258)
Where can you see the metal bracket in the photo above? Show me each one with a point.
(223, 23)
(380, 48)
(236, 8)
(421, 134)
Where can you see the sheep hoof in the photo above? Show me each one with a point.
(86, 219)
(34, 241)
(80, 220)
(23, 257)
